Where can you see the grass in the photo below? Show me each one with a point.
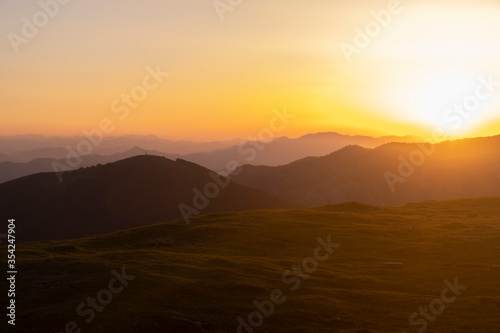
(201, 277)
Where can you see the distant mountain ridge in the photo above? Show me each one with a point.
(24, 148)
(284, 150)
(278, 152)
(392, 174)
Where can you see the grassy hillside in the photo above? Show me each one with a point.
(202, 277)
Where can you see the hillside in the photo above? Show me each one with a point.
(137, 191)
(391, 174)
(203, 276)
(13, 170)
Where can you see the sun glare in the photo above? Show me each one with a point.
(439, 66)
(455, 101)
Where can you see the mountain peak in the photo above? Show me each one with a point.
(136, 191)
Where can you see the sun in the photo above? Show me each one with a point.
(452, 100)
(441, 68)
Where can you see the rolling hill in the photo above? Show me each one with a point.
(13, 170)
(391, 174)
(137, 191)
(376, 268)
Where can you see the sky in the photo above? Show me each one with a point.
(354, 67)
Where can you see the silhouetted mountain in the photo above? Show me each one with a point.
(284, 150)
(10, 171)
(137, 191)
(392, 174)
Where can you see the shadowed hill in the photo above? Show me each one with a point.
(391, 174)
(203, 276)
(12, 170)
(132, 192)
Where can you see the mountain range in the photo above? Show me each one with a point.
(148, 189)
(277, 152)
(284, 150)
(24, 148)
(392, 174)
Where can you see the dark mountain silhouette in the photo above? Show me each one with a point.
(134, 192)
(10, 170)
(391, 174)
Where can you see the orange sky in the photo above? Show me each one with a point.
(226, 77)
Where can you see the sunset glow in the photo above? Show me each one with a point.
(226, 77)
(250, 165)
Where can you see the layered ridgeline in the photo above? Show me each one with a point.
(24, 148)
(214, 156)
(133, 192)
(285, 150)
(342, 268)
(391, 174)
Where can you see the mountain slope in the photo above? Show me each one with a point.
(13, 170)
(391, 174)
(203, 276)
(132, 192)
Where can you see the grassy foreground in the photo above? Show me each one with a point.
(202, 277)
